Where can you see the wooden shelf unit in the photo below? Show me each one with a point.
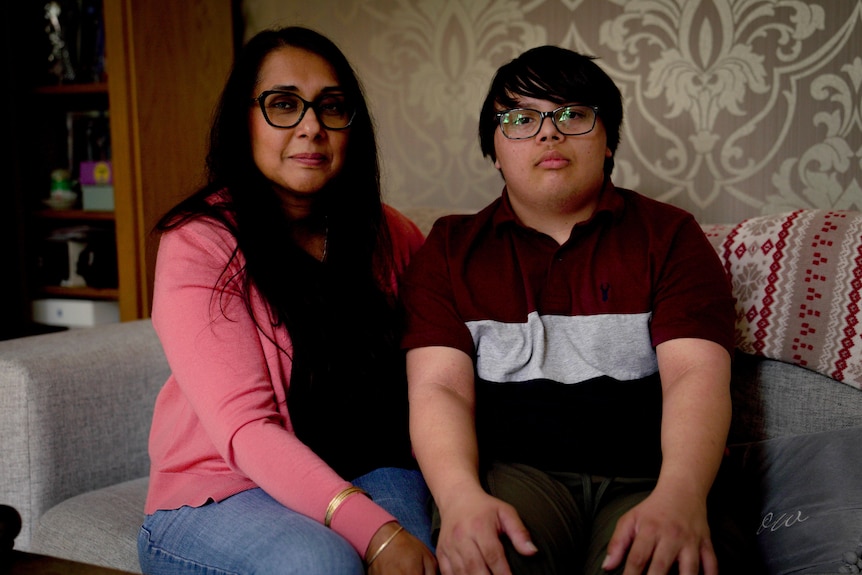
(69, 89)
(75, 215)
(166, 63)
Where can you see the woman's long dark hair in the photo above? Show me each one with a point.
(341, 315)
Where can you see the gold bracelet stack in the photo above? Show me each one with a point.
(383, 545)
(338, 500)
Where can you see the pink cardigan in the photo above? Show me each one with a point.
(221, 423)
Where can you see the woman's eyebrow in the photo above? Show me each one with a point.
(292, 88)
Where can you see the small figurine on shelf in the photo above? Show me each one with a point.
(60, 59)
(62, 196)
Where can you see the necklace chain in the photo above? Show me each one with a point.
(325, 242)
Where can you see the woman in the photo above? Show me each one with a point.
(280, 442)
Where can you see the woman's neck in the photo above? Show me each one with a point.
(312, 235)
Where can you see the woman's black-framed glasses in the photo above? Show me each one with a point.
(285, 109)
(572, 120)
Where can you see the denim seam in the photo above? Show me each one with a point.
(154, 549)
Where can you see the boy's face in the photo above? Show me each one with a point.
(552, 169)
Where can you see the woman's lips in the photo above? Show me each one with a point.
(310, 159)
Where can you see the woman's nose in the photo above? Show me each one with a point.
(310, 123)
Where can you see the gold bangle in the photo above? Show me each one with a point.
(383, 545)
(338, 500)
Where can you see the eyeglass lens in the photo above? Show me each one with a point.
(286, 110)
(522, 123)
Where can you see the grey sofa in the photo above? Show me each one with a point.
(75, 411)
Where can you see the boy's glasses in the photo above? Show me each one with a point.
(572, 120)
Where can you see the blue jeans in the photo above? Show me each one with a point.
(250, 532)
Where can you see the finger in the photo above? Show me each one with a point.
(710, 561)
(429, 565)
(466, 562)
(444, 564)
(495, 558)
(689, 562)
(641, 553)
(660, 563)
(670, 551)
(618, 545)
(518, 534)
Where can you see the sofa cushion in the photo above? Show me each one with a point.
(805, 497)
(797, 278)
(775, 399)
(98, 527)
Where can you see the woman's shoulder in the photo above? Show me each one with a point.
(402, 227)
(425, 216)
(198, 234)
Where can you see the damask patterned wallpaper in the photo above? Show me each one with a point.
(734, 108)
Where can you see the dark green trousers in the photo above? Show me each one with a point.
(571, 518)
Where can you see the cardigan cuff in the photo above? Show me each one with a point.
(358, 519)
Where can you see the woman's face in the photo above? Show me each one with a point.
(301, 160)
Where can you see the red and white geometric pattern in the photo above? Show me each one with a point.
(797, 279)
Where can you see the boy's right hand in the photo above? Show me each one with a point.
(469, 541)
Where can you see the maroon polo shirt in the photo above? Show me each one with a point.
(563, 337)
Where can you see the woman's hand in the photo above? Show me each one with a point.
(403, 554)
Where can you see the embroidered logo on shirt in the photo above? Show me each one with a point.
(605, 287)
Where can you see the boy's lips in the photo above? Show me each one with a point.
(552, 159)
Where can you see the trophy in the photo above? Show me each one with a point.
(59, 59)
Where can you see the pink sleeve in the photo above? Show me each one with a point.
(234, 383)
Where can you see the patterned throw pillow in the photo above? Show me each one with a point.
(797, 278)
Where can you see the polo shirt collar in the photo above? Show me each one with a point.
(610, 202)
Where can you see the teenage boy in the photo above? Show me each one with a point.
(569, 350)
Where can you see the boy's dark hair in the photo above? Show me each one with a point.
(558, 75)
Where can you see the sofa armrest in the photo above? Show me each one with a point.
(75, 413)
